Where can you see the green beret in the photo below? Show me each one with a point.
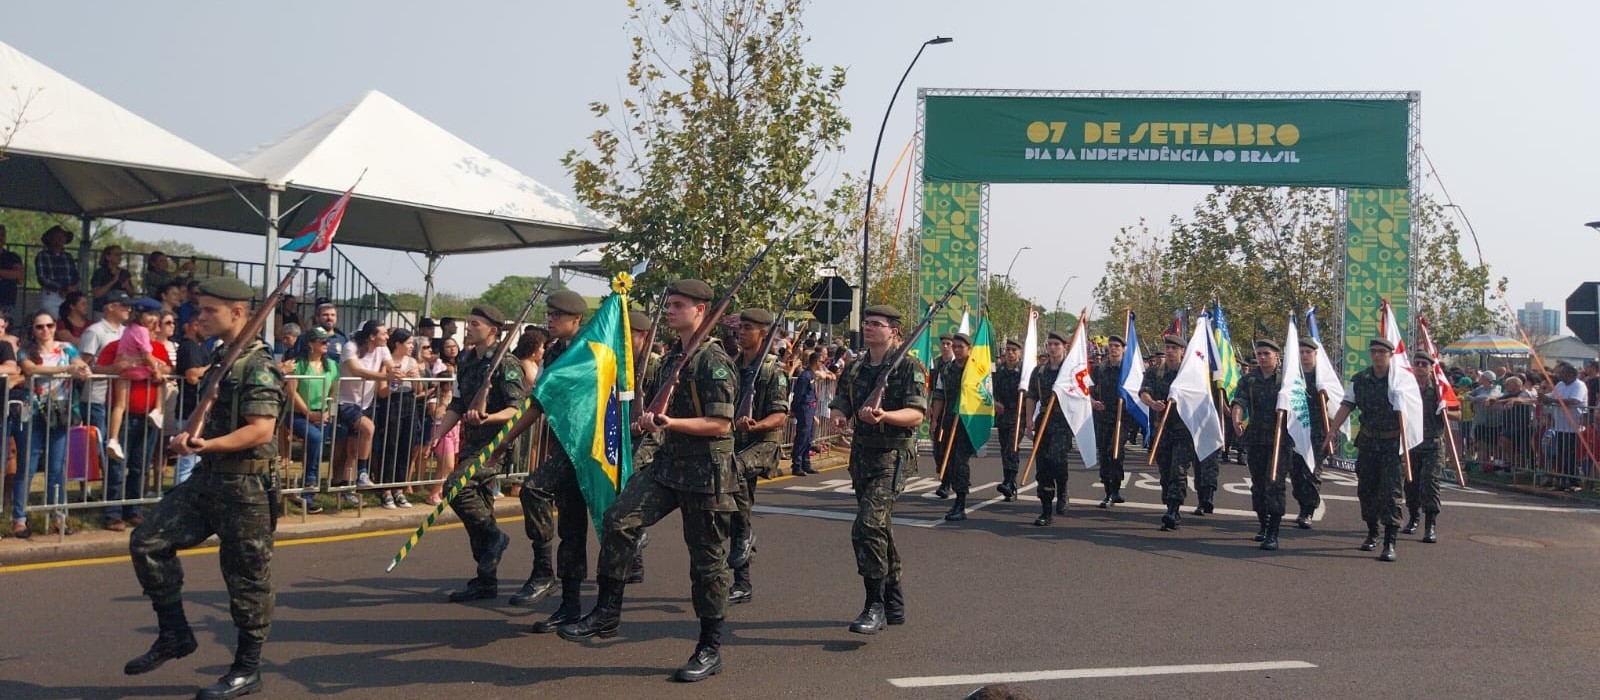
(227, 289)
(1421, 356)
(1307, 343)
(639, 320)
(694, 289)
(1012, 343)
(1116, 339)
(489, 313)
(1380, 343)
(963, 337)
(567, 301)
(1056, 335)
(757, 316)
(1174, 339)
(883, 311)
(944, 338)
(1270, 345)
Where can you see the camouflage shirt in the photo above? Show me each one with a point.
(907, 388)
(771, 396)
(1106, 375)
(947, 389)
(1370, 394)
(707, 387)
(1318, 408)
(1158, 384)
(1432, 419)
(1007, 389)
(253, 386)
(1258, 395)
(472, 369)
(1055, 441)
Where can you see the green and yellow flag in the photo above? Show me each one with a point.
(585, 396)
(1224, 365)
(977, 388)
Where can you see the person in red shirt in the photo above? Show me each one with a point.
(140, 434)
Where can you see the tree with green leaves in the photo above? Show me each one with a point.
(721, 147)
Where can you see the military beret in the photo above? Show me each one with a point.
(1380, 343)
(1269, 344)
(639, 320)
(757, 316)
(1116, 339)
(1057, 336)
(944, 338)
(1174, 339)
(227, 289)
(1307, 343)
(1012, 342)
(566, 301)
(694, 289)
(1421, 356)
(963, 337)
(884, 311)
(489, 313)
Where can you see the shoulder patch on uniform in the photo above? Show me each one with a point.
(720, 373)
(264, 377)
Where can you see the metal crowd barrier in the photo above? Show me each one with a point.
(402, 425)
(1533, 442)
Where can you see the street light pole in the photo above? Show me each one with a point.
(1014, 261)
(1058, 300)
(872, 175)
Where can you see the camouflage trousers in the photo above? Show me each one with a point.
(1422, 492)
(877, 489)
(1107, 441)
(1267, 492)
(1006, 433)
(1379, 473)
(956, 464)
(1174, 457)
(474, 504)
(1207, 472)
(644, 502)
(1304, 482)
(235, 508)
(551, 489)
(753, 462)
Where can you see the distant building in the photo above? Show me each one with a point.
(1537, 320)
(1567, 349)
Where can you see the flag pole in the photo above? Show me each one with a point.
(1016, 430)
(1403, 451)
(1116, 435)
(1160, 428)
(1049, 407)
(1455, 456)
(949, 444)
(1277, 444)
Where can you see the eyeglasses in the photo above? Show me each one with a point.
(43, 326)
(169, 322)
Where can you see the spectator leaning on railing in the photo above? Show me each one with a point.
(1566, 403)
(313, 411)
(395, 419)
(95, 338)
(191, 365)
(139, 395)
(47, 362)
(366, 358)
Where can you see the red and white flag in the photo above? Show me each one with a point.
(1404, 394)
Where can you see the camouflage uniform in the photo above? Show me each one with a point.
(1379, 467)
(552, 488)
(1007, 400)
(1303, 480)
(1175, 454)
(1107, 377)
(1258, 395)
(882, 456)
(228, 495)
(956, 444)
(474, 503)
(647, 443)
(1054, 445)
(694, 475)
(1422, 492)
(757, 456)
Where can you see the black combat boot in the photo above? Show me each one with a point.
(1261, 534)
(174, 640)
(1116, 493)
(1106, 502)
(571, 607)
(242, 678)
(483, 587)
(707, 659)
(742, 590)
(1371, 542)
(603, 621)
(894, 603)
(1430, 534)
(871, 619)
(958, 510)
(743, 548)
(1204, 506)
(1304, 521)
(540, 582)
(1411, 524)
(1061, 500)
(1270, 542)
(636, 569)
(943, 491)
(1044, 512)
(1388, 545)
(1169, 520)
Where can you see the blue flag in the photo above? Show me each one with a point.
(1132, 378)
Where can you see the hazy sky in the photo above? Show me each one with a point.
(1509, 98)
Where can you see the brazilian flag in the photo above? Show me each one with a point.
(976, 408)
(585, 396)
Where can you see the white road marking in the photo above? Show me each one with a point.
(1075, 673)
(1490, 506)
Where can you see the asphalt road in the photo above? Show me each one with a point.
(1101, 604)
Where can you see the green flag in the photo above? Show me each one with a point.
(585, 397)
(977, 388)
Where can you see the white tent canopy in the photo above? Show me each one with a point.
(75, 152)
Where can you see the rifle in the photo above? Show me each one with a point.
(644, 354)
(875, 399)
(480, 400)
(669, 381)
(747, 393)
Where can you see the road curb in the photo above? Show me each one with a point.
(1530, 490)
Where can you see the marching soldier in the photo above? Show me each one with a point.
(474, 504)
(1007, 405)
(1052, 437)
(1422, 492)
(1303, 480)
(1175, 453)
(956, 453)
(1107, 376)
(645, 443)
(693, 473)
(1379, 469)
(756, 440)
(883, 454)
(231, 494)
(554, 485)
(936, 428)
(1258, 394)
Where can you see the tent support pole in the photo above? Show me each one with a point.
(269, 279)
(427, 281)
(86, 265)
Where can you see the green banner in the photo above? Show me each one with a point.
(1377, 266)
(1291, 142)
(951, 216)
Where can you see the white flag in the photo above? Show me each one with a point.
(966, 322)
(1191, 392)
(1294, 401)
(1404, 394)
(1072, 395)
(1328, 385)
(1030, 348)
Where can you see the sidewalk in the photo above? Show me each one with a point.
(93, 543)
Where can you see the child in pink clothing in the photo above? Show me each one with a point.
(135, 362)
